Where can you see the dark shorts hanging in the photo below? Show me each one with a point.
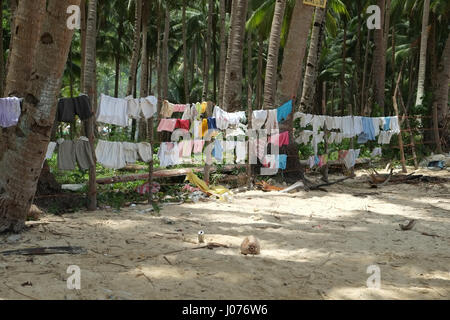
(69, 107)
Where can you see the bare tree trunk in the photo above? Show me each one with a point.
(270, 86)
(423, 53)
(83, 40)
(223, 49)
(2, 57)
(90, 80)
(364, 103)
(233, 75)
(21, 164)
(144, 69)
(185, 57)
(441, 91)
(344, 58)
(291, 72)
(28, 21)
(379, 60)
(259, 83)
(13, 4)
(205, 92)
(312, 64)
(136, 47)
(165, 71)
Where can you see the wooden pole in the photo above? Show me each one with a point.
(325, 129)
(408, 124)
(150, 164)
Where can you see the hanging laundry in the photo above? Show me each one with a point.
(110, 154)
(145, 151)
(83, 153)
(9, 112)
(259, 119)
(318, 122)
(134, 107)
(218, 150)
(240, 130)
(149, 106)
(258, 147)
(385, 137)
(182, 124)
(282, 161)
(212, 124)
(198, 146)
(204, 127)
(387, 124)
(50, 150)
(358, 125)
(272, 122)
(323, 160)
(187, 113)
(363, 138)
(230, 147)
(317, 138)
(368, 127)
(113, 111)
(332, 137)
(348, 128)
(166, 109)
(241, 151)
(179, 108)
(66, 155)
(284, 111)
(169, 154)
(304, 137)
(329, 122)
(280, 140)
(130, 151)
(350, 158)
(185, 147)
(69, 107)
(305, 120)
(395, 125)
(339, 138)
(316, 160)
(197, 130)
(377, 123)
(337, 123)
(167, 125)
(204, 107)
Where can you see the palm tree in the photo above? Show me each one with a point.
(136, 47)
(223, 48)
(21, 163)
(379, 62)
(233, 75)
(312, 67)
(90, 80)
(423, 53)
(207, 57)
(270, 85)
(185, 56)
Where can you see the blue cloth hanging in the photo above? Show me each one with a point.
(387, 124)
(284, 111)
(368, 128)
(218, 150)
(282, 161)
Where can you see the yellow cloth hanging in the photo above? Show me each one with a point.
(217, 191)
(204, 127)
(204, 107)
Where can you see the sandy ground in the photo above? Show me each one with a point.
(315, 245)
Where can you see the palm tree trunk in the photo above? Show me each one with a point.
(205, 92)
(144, 70)
(291, 71)
(223, 48)
(259, 83)
(423, 53)
(233, 75)
(312, 64)
(185, 57)
(2, 56)
(136, 47)
(379, 60)
(13, 4)
(21, 164)
(165, 71)
(270, 85)
(344, 58)
(90, 80)
(83, 40)
(28, 19)
(442, 89)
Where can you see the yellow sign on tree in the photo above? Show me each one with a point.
(316, 3)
